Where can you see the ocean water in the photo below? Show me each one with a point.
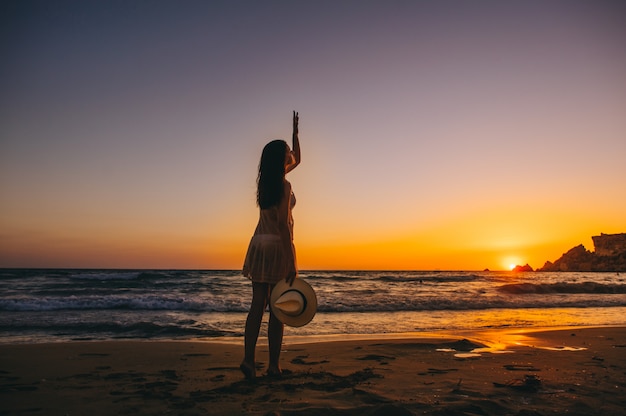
(59, 305)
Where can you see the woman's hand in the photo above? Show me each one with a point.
(293, 273)
(296, 119)
(295, 148)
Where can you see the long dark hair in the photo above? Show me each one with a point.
(269, 191)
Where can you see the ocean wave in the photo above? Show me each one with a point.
(468, 306)
(119, 330)
(106, 275)
(339, 301)
(337, 291)
(151, 303)
(329, 277)
(562, 287)
(400, 277)
(132, 274)
(429, 278)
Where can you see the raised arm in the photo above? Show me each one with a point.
(295, 148)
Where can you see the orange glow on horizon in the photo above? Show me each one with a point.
(498, 238)
(181, 253)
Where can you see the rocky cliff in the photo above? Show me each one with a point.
(525, 268)
(609, 256)
(609, 244)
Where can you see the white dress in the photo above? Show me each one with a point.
(266, 260)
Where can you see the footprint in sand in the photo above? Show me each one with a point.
(300, 360)
(529, 383)
(512, 367)
(374, 357)
(432, 371)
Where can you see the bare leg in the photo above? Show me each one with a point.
(275, 338)
(260, 293)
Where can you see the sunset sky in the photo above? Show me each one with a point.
(435, 135)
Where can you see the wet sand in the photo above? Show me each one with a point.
(575, 371)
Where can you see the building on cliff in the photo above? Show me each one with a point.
(609, 244)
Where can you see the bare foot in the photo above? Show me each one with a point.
(248, 370)
(274, 371)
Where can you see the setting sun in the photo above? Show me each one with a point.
(509, 262)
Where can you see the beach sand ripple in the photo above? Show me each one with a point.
(573, 371)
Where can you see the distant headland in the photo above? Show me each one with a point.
(609, 256)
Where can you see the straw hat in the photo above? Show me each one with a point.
(293, 305)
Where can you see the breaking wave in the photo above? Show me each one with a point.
(555, 288)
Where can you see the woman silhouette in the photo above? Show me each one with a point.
(271, 255)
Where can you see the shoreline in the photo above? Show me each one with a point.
(568, 370)
(487, 336)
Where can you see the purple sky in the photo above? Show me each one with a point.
(131, 131)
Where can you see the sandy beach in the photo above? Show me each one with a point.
(576, 371)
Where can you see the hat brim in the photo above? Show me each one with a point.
(307, 292)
